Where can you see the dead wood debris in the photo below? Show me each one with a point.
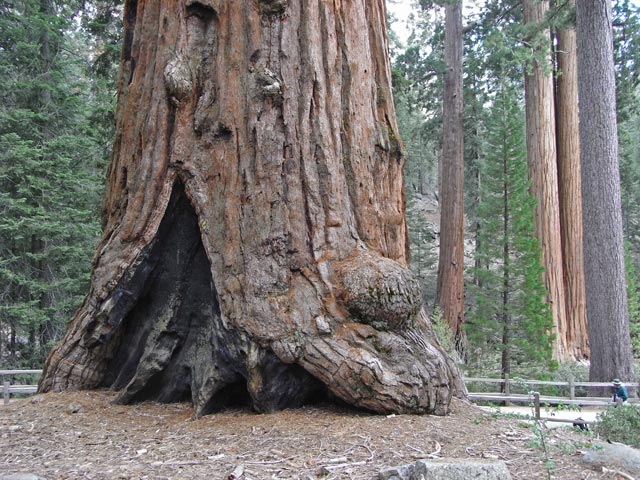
(153, 441)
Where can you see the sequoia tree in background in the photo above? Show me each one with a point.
(450, 289)
(254, 234)
(607, 315)
(570, 193)
(541, 155)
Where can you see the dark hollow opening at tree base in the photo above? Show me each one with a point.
(173, 345)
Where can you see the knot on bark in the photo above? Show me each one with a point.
(273, 7)
(178, 78)
(379, 292)
(205, 10)
(269, 83)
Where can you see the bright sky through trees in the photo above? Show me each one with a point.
(402, 9)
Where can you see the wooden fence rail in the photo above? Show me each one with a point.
(8, 389)
(534, 398)
(571, 384)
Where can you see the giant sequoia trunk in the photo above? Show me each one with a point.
(570, 193)
(541, 156)
(450, 288)
(255, 244)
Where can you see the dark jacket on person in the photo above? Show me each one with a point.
(620, 391)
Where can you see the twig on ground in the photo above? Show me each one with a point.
(344, 465)
(608, 471)
(271, 462)
(437, 450)
(180, 463)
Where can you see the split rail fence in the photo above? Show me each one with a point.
(505, 395)
(9, 389)
(534, 399)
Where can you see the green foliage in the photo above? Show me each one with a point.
(621, 424)
(626, 32)
(576, 371)
(509, 313)
(541, 441)
(629, 140)
(51, 163)
(626, 43)
(420, 177)
(633, 300)
(444, 334)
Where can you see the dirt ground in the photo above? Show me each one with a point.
(82, 435)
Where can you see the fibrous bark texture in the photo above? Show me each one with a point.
(255, 244)
(541, 156)
(605, 283)
(570, 192)
(450, 288)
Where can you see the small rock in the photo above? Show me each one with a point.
(403, 472)
(74, 408)
(37, 399)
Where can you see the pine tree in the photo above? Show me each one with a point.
(51, 163)
(509, 313)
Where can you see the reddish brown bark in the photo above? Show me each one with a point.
(541, 156)
(450, 288)
(570, 192)
(255, 239)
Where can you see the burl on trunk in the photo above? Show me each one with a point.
(255, 243)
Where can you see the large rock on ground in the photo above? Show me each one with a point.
(448, 469)
(614, 456)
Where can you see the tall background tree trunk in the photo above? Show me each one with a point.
(255, 243)
(570, 192)
(605, 281)
(541, 155)
(450, 287)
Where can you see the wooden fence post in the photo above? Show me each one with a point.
(507, 389)
(572, 388)
(536, 404)
(5, 391)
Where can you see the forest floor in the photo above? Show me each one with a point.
(82, 435)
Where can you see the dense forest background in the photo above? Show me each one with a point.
(58, 73)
